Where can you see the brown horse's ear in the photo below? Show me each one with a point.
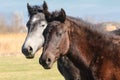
(45, 7)
(62, 15)
(29, 9)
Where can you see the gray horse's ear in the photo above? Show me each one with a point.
(29, 9)
(62, 15)
(45, 7)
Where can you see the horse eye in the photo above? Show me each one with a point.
(43, 25)
(59, 33)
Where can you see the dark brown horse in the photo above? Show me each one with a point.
(96, 53)
(35, 39)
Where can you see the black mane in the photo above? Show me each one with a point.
(35, 9)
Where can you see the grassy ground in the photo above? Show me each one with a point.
(19, 68)
(14, 66)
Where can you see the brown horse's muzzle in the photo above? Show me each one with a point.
(46, 60)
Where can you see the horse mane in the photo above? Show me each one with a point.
(79, 21)
(91, 27)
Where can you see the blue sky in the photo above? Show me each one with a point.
(100, 10)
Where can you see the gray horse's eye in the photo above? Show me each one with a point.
(43, 25)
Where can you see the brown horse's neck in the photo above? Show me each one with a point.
(78, 47)
(86, 43)
(78, 50)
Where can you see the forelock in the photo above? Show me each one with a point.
(38, 7)
(38, 17)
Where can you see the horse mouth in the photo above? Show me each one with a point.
(30, 56)
(46, 67)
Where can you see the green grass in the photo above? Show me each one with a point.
(20, 68)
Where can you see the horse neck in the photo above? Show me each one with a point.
(85, 42)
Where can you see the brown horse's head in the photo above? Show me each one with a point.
(36, 25)
(57, 41)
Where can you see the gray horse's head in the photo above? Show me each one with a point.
(35, 25)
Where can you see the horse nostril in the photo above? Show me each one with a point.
(30, 49)
(48, 61)
(24, 50)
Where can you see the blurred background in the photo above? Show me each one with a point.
(13, 19)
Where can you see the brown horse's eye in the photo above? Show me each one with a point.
(58, 33)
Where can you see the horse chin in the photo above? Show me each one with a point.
(46, 67)
(30, 56)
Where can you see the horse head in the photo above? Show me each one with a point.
(35, 25)
(57, 41)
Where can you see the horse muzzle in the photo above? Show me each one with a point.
(46, 63)
(28, 52)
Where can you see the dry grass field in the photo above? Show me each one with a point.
(14, 66)
(10, 43)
